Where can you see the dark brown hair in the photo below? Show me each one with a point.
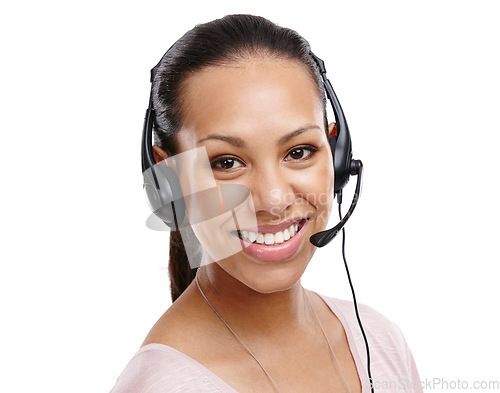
(234, 38)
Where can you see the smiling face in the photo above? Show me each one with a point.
(262, 125)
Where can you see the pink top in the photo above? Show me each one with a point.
(158, 368)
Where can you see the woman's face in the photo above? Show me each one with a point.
(262, 125)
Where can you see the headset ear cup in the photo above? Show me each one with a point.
(341, 144)
(164, 195)
(151, 190)
(342, 156)
(332, 141)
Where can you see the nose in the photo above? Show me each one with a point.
(272, 191)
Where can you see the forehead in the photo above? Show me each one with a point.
(266, 95)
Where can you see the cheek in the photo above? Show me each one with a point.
(315, 185)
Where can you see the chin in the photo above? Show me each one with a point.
(265, 281)
(275, 282)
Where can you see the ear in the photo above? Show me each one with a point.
(332, 130)
(159, 154)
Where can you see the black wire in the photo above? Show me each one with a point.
(355, 302)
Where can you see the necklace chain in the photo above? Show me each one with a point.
(250, 352)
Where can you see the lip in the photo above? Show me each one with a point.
(275, 252)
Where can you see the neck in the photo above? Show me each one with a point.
(250, 310)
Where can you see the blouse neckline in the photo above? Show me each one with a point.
(218, 381)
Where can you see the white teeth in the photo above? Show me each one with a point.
(270, 238)
(252, 236)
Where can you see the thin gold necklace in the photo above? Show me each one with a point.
(254, 357)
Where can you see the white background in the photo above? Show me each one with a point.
(83, 279)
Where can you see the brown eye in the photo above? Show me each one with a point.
(225, 164)
(300, 153)
(297, 154)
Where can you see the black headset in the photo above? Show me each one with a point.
(162, 187)
(164, 193)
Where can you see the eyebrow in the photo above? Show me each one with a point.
(233, 140)
(238, 142)
(295, 133)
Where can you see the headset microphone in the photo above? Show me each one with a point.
(344, 165)
(321, 239)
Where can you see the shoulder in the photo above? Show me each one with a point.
(392, 362)
(159, 368)
(375, 324)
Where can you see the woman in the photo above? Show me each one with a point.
(249, 94)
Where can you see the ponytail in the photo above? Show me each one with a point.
(179, 268)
